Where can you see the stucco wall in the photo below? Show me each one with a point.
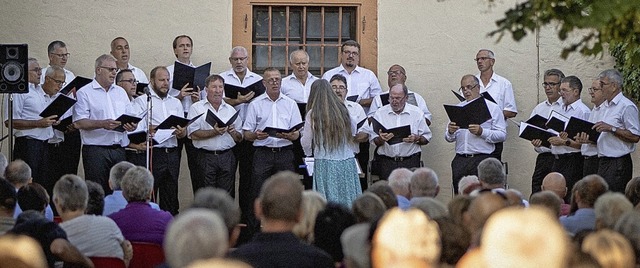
(435, 41)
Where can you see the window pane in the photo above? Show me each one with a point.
(295, 23)
(331, 23)
(348, 26)
(260, 57)
(279, 24)
(314, 23)
(330, 57)
(261, 24)
(278, 56)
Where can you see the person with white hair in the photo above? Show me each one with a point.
(399, 181)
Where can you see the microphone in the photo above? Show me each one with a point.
(147, 91)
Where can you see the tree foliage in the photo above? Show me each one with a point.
(615, 23)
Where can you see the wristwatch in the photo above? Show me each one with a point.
(568, 142)
(613, 129)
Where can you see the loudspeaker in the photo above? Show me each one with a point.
(14, 77)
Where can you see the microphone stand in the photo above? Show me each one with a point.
(10, 135)
(149, 152)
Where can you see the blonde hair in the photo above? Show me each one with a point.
(610, 249)
(330, 120)
(312, 203)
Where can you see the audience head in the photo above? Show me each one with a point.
(330, 223)
(547, 199)
(424, 183)
(218, 263)
(632, 191)
(609, 207)
(117, 173)
(33, 197)
(555, 183)
(395, 245)
(381, 189)
(70, 194)
(458, 207)
(430, 206)
(491, 173)
(468, 184)
(137, 184)
(455, 240)
(195, 234)
(629, 226)
(21, 251)
(587, 190)
(517, 237)
(95, 205)
(8, 199)
(610, 249)
(280, 198)
(312, 203)
(368, 207)
(356, 246)
(399, 181)
(18, 173)
(221, 202)
(481, 208)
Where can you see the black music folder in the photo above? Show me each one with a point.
(125, 119)
(58, 107)
(399, 133)
(557, 121)
(485, 95)
(77, 83)
(174, 120)
(538, 121)
(577, 125)
(361, 123)
(475, 112)
(64, 123)
(354, 98)
(272, 131)
(231, 91)
(140, 88)
(460, 97)
(140, 137)
(214, 120)
(531, 132)
(195, 76)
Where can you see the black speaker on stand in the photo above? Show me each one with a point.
(14, 78)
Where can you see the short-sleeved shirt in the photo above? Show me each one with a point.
(356, 112)
(138, 73)
(224, 112)
(95, 236)
(411, 115)
(501, 90)
(28, 106)
(621, 113)
(292, 88)
(264, 112)
(596, 115)
(578, 110)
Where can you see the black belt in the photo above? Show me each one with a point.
(215, 152)
(275, 149)
(565, 156)
(470, 155)
(400, 158)
(590, 157)
(30, 138)
(612, 158)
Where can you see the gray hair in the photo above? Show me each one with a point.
(491, 54)
(614, 76)
(424, 183)
(18, 172)
(239, 49)
(629, 226)
(574, 82)
(102, 58)
(117, 172)
(490, 171)
(52, 70)
(137, 184)
(218, 200)
(194, 235)
(70, 193)
(55, 45)
(399, 180)
(31, 60)
(368, 207)
(609, 207)
(298, 51)
(430, 206)
(555, 72)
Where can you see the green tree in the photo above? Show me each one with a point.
(608, 23)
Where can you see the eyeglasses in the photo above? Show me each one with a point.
(550, 84)
(110, 69)
(274, 81)
(566, 89)
(338, 87)
(482, 58)
(238, 59)
(395, 73)
(59, 82)
(62, 56)
(467, 88)
(351, 53)
(131, 81)
(37, 70)
(593, 90)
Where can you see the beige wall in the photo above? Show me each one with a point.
(435, 41)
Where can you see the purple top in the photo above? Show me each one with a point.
(141, 223)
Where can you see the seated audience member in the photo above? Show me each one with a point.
(279, 208)
(547, 199)
(381, 189)
(480, 209)
(330, 223)
(21, 251)
(556, 183)
(8, 201)
(430, 206)
(515, 198)
(94, 236)
(356, 246)
(33, 197)
(491, 174)
(468, 184)
(195, 234)
(95, 205)
(508, 236)
(396, 245)
(221, 202)
(632, 191)
(138, 221)
(312, 203)
(610, 249)
(629, 226)
(116, 201)
(18, 173)
(424, 183)
(368, 207)
(455, 241)
(608, 209)
(458, 208)
(52, 239)
(583, 198)
(399, 181)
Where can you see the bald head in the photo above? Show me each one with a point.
(556, 183)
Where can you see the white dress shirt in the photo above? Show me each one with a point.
(377, 103)
(186, 101)
(361, 82)
(68, 75)
(544, 109)
(356, 112)
(597, 114)
(161, 109)
(264, 112)
(140, 75)
(578, 110)
(502, 92)
(621, 113)
(231, 78)
(295, 90)
(95, 103)
(28, 106)
(493, 131)
(224, 112)
(411, 115)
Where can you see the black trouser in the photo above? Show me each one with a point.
(388, 164)
(219, 169)
(363, 160)
(465, 165)
(616, 171)
(243, 152)
(64, 158)
(298, 161)
(195, 171)
(497, 152)
(165, 167)
(34, 153)
(544, 163)
(570, 166)
(98, 160)
(136, 157)
(590, 165)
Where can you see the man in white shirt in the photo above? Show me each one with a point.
(590, 150)
(127, 80)
(215, 142)
(477, 142)
(544, 160)
(31, 131)
(498, 87)
(120, 51)
(166, 157)
(407, 153)
(58, 56)
(99, 104)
